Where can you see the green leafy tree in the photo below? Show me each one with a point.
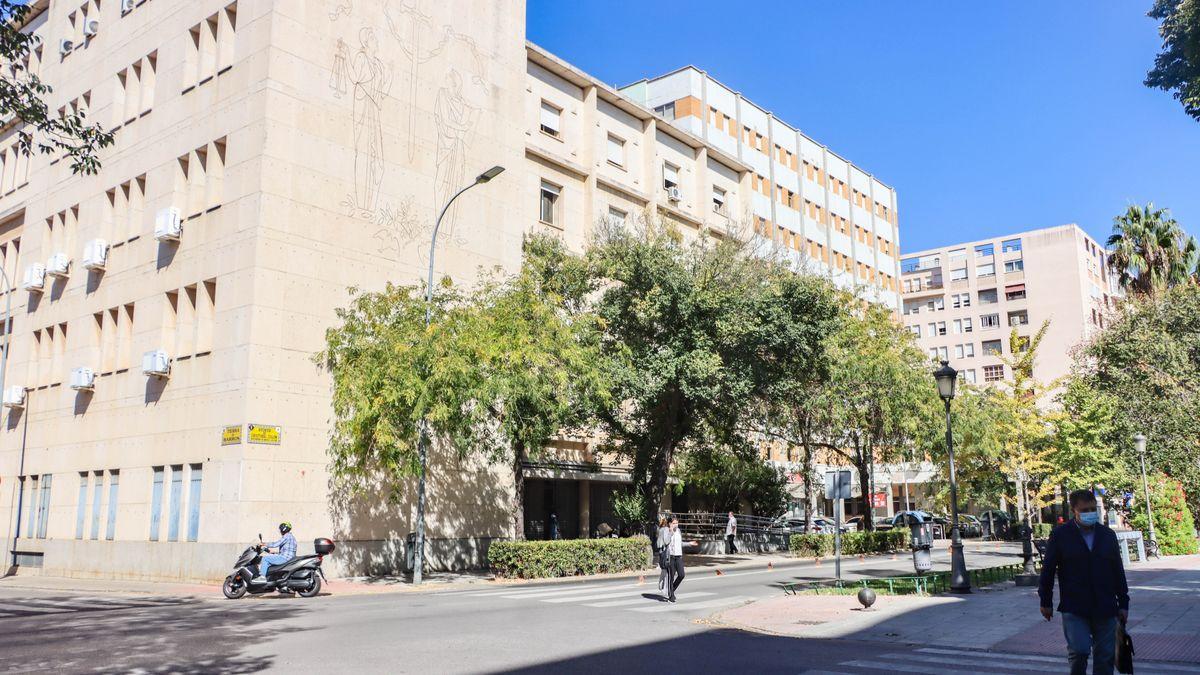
(1082, 447)
(499, 373)
(1150, 251)
(1177, 66)
(1148, 360)
(731, 478)
(23, 101)
(881, 397)
(695, 335)
(1174, 528)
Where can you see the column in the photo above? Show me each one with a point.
(585, 509)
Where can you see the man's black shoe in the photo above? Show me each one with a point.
(671, 599)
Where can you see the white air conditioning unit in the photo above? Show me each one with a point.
(14, 396)
(156, 363)
(59, 265)
(35, 278)
(95, 255)
(127, 6)
(91, 27)
(83, 379)
(674, 194)
(168, 225)
(65, 46)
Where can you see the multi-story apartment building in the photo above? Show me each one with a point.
(963, 300)
(269, 155)
(823, 209)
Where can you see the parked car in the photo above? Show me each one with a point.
(787, 526)
(883, 523)
(823, 525)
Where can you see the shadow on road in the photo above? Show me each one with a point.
(65, 634)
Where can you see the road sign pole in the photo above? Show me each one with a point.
(837, 539)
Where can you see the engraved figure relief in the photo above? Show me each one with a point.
(460, 101)
(337, 73)
(372, 80)
(413, 30)
(341, 8)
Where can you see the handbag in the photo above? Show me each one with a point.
(1124, 657)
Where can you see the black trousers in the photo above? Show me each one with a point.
(730, 547)
(677, 573)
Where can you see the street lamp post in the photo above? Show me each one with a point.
(947, 378)
(423, 433)
(1139, 444)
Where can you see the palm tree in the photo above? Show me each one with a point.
(1150, 250)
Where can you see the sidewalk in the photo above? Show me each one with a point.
(696, 565)
(1164, 617)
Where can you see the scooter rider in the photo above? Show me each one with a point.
(285, 545)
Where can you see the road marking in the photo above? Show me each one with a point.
(637, 601)
(669, 607)
(564, 591)
(600, 596)
(903, 668)
(973, 660)
(991, 655)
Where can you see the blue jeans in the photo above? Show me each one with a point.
(270, 559)
(1097, 636)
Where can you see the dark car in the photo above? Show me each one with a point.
(969, 526)
(997, 524)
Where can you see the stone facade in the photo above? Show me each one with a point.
(306, 147)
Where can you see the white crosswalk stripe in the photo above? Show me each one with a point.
(644, 597)
(946, 661)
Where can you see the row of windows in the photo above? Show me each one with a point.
(839, 262)
(97, 505)
(988, 296)
(186, 332)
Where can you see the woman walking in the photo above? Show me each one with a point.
(675, 548)
(662, 554)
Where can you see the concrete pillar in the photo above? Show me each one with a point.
(585, 509)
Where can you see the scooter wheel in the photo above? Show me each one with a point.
(233, 588)
(312, 591)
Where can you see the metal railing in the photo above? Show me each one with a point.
(708, 525)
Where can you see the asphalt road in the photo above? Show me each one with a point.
(594, 626)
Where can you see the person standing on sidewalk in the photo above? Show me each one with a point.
(730, 533)
(675, 548)
(1093, 592)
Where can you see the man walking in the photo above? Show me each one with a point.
(730, 533)
(1093, 593)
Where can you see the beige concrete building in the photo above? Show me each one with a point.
(961, 301)
(162, 406)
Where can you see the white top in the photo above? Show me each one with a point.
(731, 526)
(676, 545)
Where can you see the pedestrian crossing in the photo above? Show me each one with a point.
(641, 598)
(946, 661)
(11, 608)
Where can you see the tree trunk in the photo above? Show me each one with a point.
(518, 502)
(862, 463)
(806, 470)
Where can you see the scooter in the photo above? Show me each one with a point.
(301, 575)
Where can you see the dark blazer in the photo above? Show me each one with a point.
(1091, 583)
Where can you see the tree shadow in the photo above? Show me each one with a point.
(371, 522)
(155, 635)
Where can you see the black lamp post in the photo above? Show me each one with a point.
(1139, 444)
(947, 378)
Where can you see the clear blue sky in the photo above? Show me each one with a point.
(988, 118)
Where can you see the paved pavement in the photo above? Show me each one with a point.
(597, 626)
(996, 629)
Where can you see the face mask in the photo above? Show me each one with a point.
(1089, 518)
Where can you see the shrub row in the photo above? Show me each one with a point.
(1042, 530)
(853, 543)
(568, 557)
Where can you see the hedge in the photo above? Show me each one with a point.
(1042, 530)
(568, 557)
(853, 543)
